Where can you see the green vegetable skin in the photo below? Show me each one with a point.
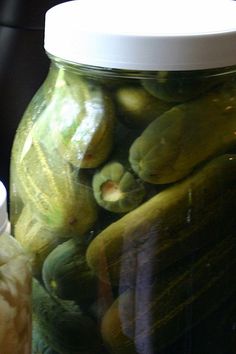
(186, 135)
(81, 121)
(136, 107)
(119, 334)
(213, 280)
(171, 225)
(51, 189)
(67, 275)
(37, 241)
(180, 86)
(116, 189)
(64, 327)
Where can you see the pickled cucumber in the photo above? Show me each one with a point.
(51, 189)
(116, 189)
(174, 223)
(117, 325)
(137, 108)
(162, 318)
(67, 275)
(180, 86)
(183, 137)
(36, 240)
(81, 121)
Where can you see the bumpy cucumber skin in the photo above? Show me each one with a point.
(172, 224)
(185, 136)
(83, 133)
(66, 274)
(55, 196)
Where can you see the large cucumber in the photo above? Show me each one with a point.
(171, 225)
(133, 325)
(136, 107)
(52, 190)
(78, 121)
(186, 135)
(37, 240)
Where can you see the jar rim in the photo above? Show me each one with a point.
(130, 35)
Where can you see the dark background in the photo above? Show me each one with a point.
(23, 66)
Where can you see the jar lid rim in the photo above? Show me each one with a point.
(145, 35)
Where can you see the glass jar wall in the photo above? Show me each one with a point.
(123, 193)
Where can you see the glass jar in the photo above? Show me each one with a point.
(123, 175)
(15, 289)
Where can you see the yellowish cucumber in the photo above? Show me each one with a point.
(174, 223)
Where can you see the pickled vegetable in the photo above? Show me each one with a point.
(180, 86)
(116, 189)
(36, 240)
(51, 189)
(137, 108)
(15, 298)
(67, 275)
(81, 121)
(180, 219)
(116, 327)
(163, 319)
(185, 136)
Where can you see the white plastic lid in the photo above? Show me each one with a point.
(3, 208)
(145, 34)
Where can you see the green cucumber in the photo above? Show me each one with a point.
(50, 187)
(116, 189)
(169, 226)
(133, 324)
(185, 136)
(67, 275)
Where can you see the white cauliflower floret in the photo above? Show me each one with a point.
(15, 300)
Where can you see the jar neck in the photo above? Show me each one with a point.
(92, 71)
